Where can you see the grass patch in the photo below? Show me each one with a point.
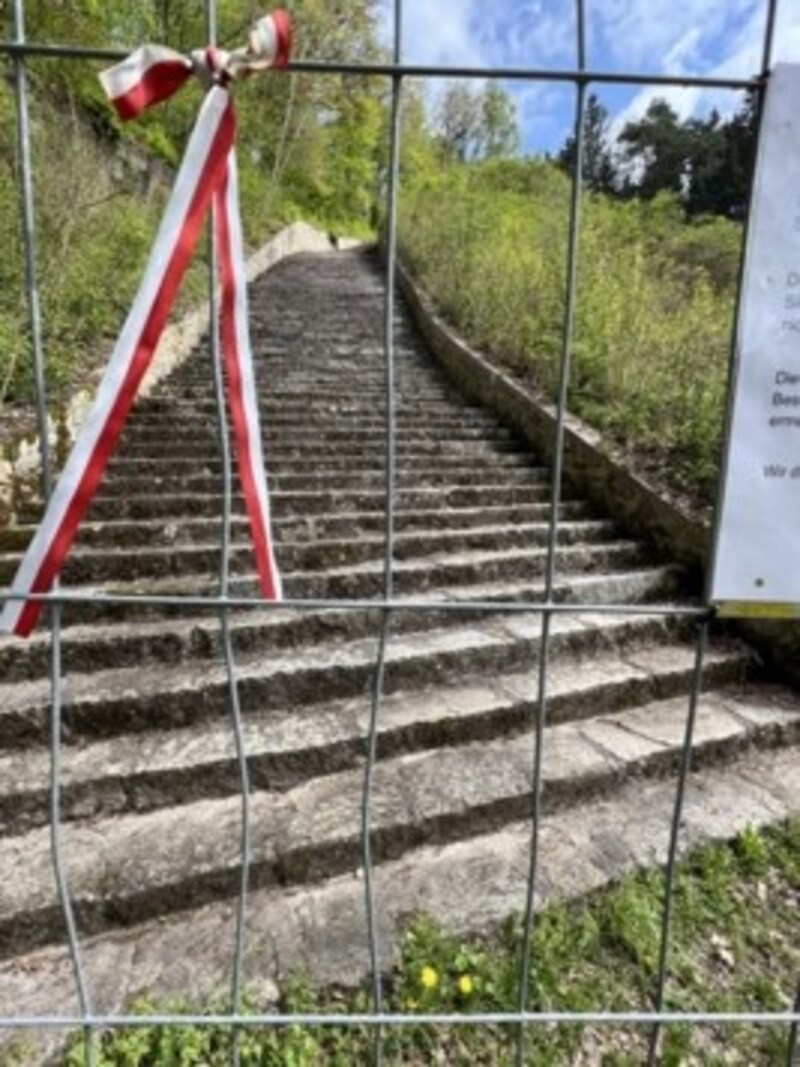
(735, 946)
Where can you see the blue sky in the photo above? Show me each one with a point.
(709, 37)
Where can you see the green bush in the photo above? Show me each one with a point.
(654, 310)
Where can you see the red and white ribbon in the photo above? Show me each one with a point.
(208, 173)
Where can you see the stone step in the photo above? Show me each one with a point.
(328, 391)
(190, 425)
(321, 931)
(144, 637)
(158, 413)
(144, 504)
(319, 554)
(179, 531)
(297, 461)
(197, 475)
(344, 568)
(109, 703)
(343, 486)
(159, 768)
(128, 868)
(115, 602)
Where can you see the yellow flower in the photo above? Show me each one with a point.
(428, 978)
(465, 985)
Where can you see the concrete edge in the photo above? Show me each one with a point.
(591, 469)
(20, 461)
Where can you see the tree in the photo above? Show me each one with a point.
(707, 190)
(473, 124)
(459, 122)
(417, 143)
(740, 147)
(657, 148)
(707, 161)
(599, 173)
(499, 130)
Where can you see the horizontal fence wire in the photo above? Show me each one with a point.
(214, 603)
(223, 602)
(421, 70)
(386, 1019)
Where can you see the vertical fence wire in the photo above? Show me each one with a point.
(674, 838)
(733, 351)
(540, 709)
(389, 506)
(769, 37)
(234, 703)
(792, 1057)
(28, 213)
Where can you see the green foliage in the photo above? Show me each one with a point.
(658, 142)
(599, 173)
(308, 148)
(476, 123)
(654, 312)
(705, 161)
(733, 948)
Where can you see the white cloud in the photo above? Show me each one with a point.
(642, 34)
(736, 52)
(720, 38)
(463, 33)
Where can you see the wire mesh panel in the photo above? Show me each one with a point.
(388, 606)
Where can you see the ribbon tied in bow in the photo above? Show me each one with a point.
(207, 174)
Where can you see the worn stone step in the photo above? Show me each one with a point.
(632, 585)
(421, 436)
(328, 390)
(322, 930)
(204, 433)
(155, 636)
(342, 486)
(304, 459)
(107, 703)
(319, 554)
(323, 461)
(428, 573)
(311, 571)
(415, 451)
(160, 768)
(153, 415)
(179, 530)
(428, 440)
(200, 475)
(144, 504)
(131, 867)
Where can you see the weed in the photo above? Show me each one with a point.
(732, 949)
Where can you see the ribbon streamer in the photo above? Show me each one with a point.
(207, 174)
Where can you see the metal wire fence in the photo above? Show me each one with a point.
(19, 50)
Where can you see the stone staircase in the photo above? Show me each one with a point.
(150, 801)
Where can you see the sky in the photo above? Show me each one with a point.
(685, 37)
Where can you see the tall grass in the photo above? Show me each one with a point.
(655, 301)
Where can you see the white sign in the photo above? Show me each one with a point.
(757, 565)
